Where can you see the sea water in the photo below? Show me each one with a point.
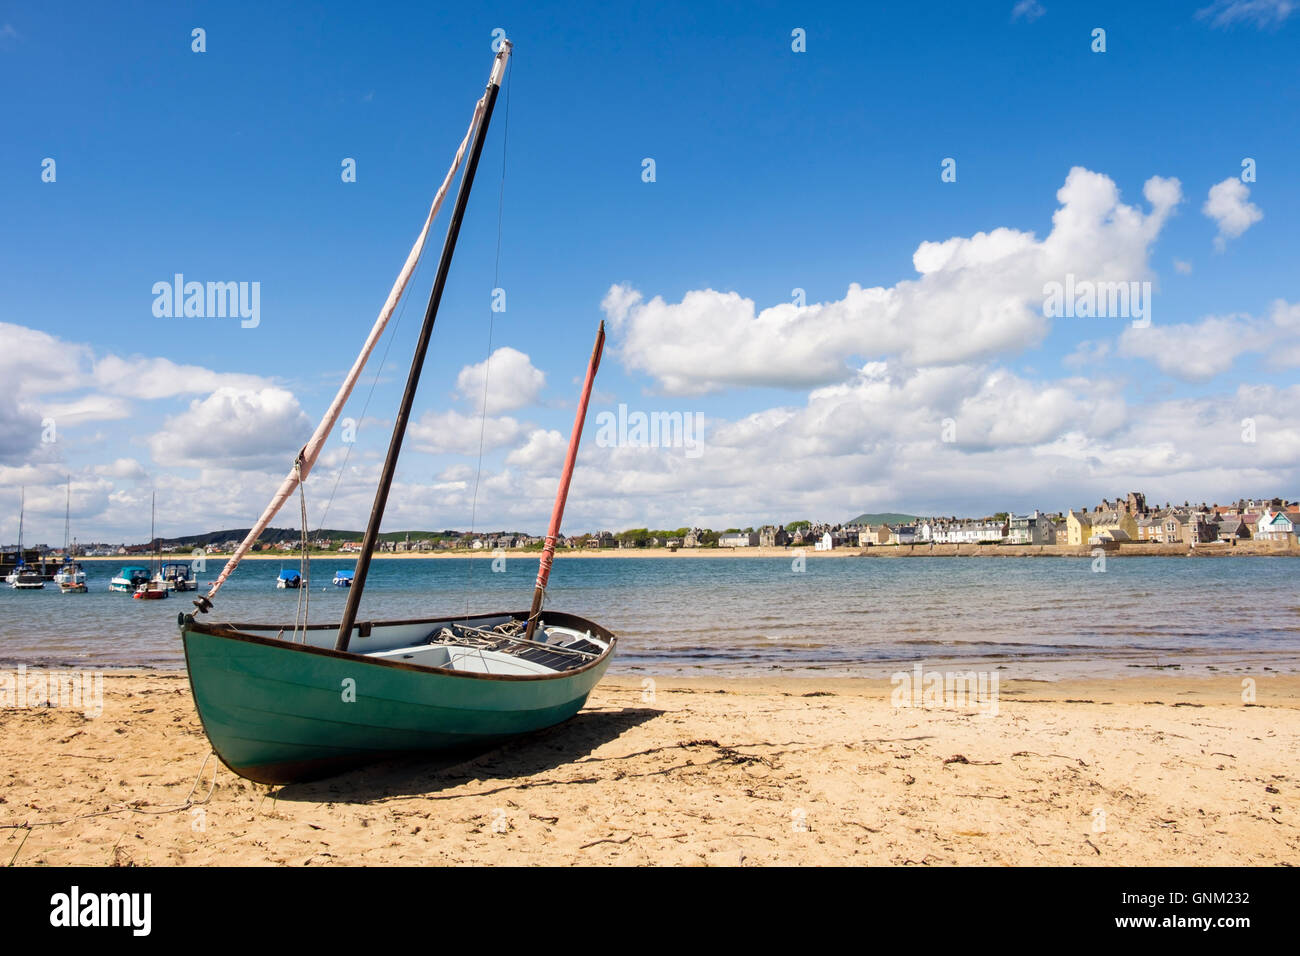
(686, 615)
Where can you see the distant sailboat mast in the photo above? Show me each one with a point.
(67, 523)
(22, 504)
(153, 498)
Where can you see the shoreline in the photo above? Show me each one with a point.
(1153, 770)
(1212, 550)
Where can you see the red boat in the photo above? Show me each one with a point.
(150, 592)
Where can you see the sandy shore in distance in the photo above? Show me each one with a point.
(1151, 770)
(1210, 550)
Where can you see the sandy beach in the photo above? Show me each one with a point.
(1132, 771)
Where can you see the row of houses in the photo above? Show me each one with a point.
(1127, 519)
(1183, 526)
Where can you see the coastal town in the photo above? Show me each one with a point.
(1111, 525)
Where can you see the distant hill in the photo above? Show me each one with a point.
(885, 517)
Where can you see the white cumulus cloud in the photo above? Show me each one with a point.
(233, 427)
(543, 451)
(512, 381)
(976, 297)
(1230, 207)
(148, 378)
(1198, 351)
(452, 432)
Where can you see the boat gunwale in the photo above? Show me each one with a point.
(231, 631)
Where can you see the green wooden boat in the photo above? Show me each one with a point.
(284, 703)
(278, 710)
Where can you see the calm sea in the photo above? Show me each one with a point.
(1035, 617)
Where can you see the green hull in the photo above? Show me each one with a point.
(279, 712)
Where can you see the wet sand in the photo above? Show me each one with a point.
(1132, 771)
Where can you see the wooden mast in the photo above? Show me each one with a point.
(562, 493)
(417, 362)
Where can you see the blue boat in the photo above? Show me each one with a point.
(343, 579)
(289, 579)
(130, 578)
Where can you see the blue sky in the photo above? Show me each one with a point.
(774, 170)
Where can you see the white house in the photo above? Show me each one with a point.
(1274, 526)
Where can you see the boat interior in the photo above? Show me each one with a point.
(480, 645)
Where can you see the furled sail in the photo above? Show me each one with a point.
(311, 451)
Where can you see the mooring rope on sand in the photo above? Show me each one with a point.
(189, 802)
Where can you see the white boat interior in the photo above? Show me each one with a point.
(493, 645)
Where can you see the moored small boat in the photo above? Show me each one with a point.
(288, 579)
(155, 586)
(23, 577)
(71, 577)
(175, 576)
(129, 578)
(343, 579)
(22, 580)
(68, 573)
(150, 591)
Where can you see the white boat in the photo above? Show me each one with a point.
(23, 578)
(73, 582)
(71, 577)
(175, 576)
(69, 572)
(129, 578)
(288, 579)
